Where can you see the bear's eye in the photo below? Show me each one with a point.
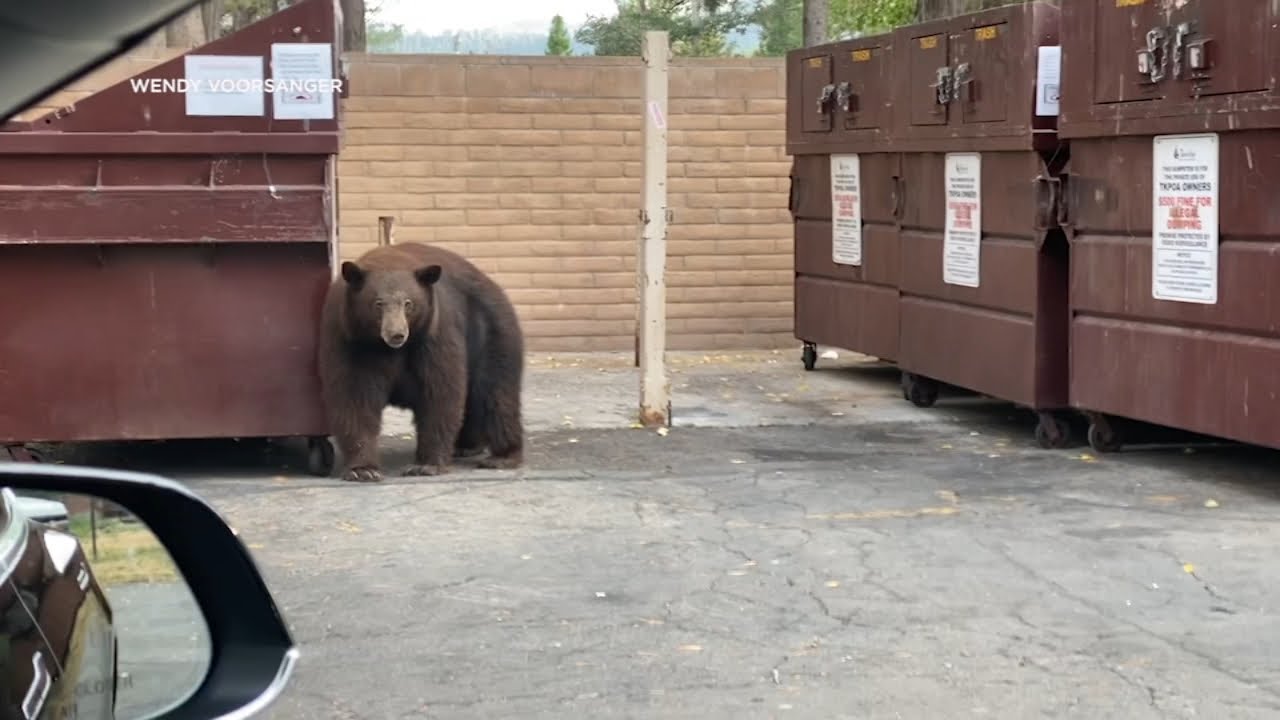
(408, 304)
(377, 304)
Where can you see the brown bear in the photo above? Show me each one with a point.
(419, 327)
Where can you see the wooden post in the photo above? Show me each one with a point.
(386, 231)
(655, 388)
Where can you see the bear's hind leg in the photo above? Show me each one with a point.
(470, 441)
(504, 426)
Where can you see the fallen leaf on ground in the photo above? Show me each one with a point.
(1086, 457)
(1189, 569)
(348, 527)
(690, 648)
(736, 461)
(1211, 503)
(663, 431)
(833, 583)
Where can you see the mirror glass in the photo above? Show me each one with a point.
(93, 612)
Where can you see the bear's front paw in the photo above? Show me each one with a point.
(468, 452)
(425, 470)
(365, 474)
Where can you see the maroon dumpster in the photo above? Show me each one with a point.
(984, 266)
(844, 197)
(165, 246)
(1173, 115)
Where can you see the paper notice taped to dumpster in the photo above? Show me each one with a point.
(846, 210)
(303, 75)
(1184, 241)
(1048, 80)
(962, 239)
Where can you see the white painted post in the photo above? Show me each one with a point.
(655, 388)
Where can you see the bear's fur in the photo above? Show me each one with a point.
(419, 327)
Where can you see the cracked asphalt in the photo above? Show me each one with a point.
(931, 566)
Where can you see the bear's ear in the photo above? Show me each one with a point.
(428, 275)
(352, 273)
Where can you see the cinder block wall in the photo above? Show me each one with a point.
(531, 167)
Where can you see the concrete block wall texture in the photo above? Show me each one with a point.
(531, 167)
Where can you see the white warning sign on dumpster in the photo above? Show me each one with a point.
(305, 85)
(846, 210)
(1184, 237)
(962, 238)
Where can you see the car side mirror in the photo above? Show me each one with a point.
(66, 601)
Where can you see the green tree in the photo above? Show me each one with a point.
(695, 27)
(233, 15)
(558, 40)
(867, 17)
(781, 26)
(782, 21)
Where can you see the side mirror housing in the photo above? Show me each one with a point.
(252, 654)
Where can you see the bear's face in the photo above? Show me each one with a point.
(389, 303)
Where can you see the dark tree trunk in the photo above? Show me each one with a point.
(816, 15)
(353, 30)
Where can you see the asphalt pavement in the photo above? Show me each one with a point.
(810, 546)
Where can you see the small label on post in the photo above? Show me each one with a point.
(986, 33)
(816, 62)
(962, 239)
(1184, 239)
(860, 55)
(846, 210)
(655, 114)
(929, 43)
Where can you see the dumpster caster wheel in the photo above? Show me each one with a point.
(919, 391)
(1052, 433)
(1102, 438)
(321, 457)
(809, 356)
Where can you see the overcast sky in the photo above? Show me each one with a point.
(435, 16)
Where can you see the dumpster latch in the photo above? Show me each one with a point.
(963, 83)
(1198, 55)
(844, 97)
(1194, 56)
(1048, 201)
(1151, 59)
(825, 97)
(1180, 47)
(943, 88)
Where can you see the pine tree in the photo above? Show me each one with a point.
(558, 42)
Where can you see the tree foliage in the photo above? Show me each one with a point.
(865, 17)
(231, 15)
(558, 40)
(694, 27)
(782, 21)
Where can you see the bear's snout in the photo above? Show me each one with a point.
(395, 329)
